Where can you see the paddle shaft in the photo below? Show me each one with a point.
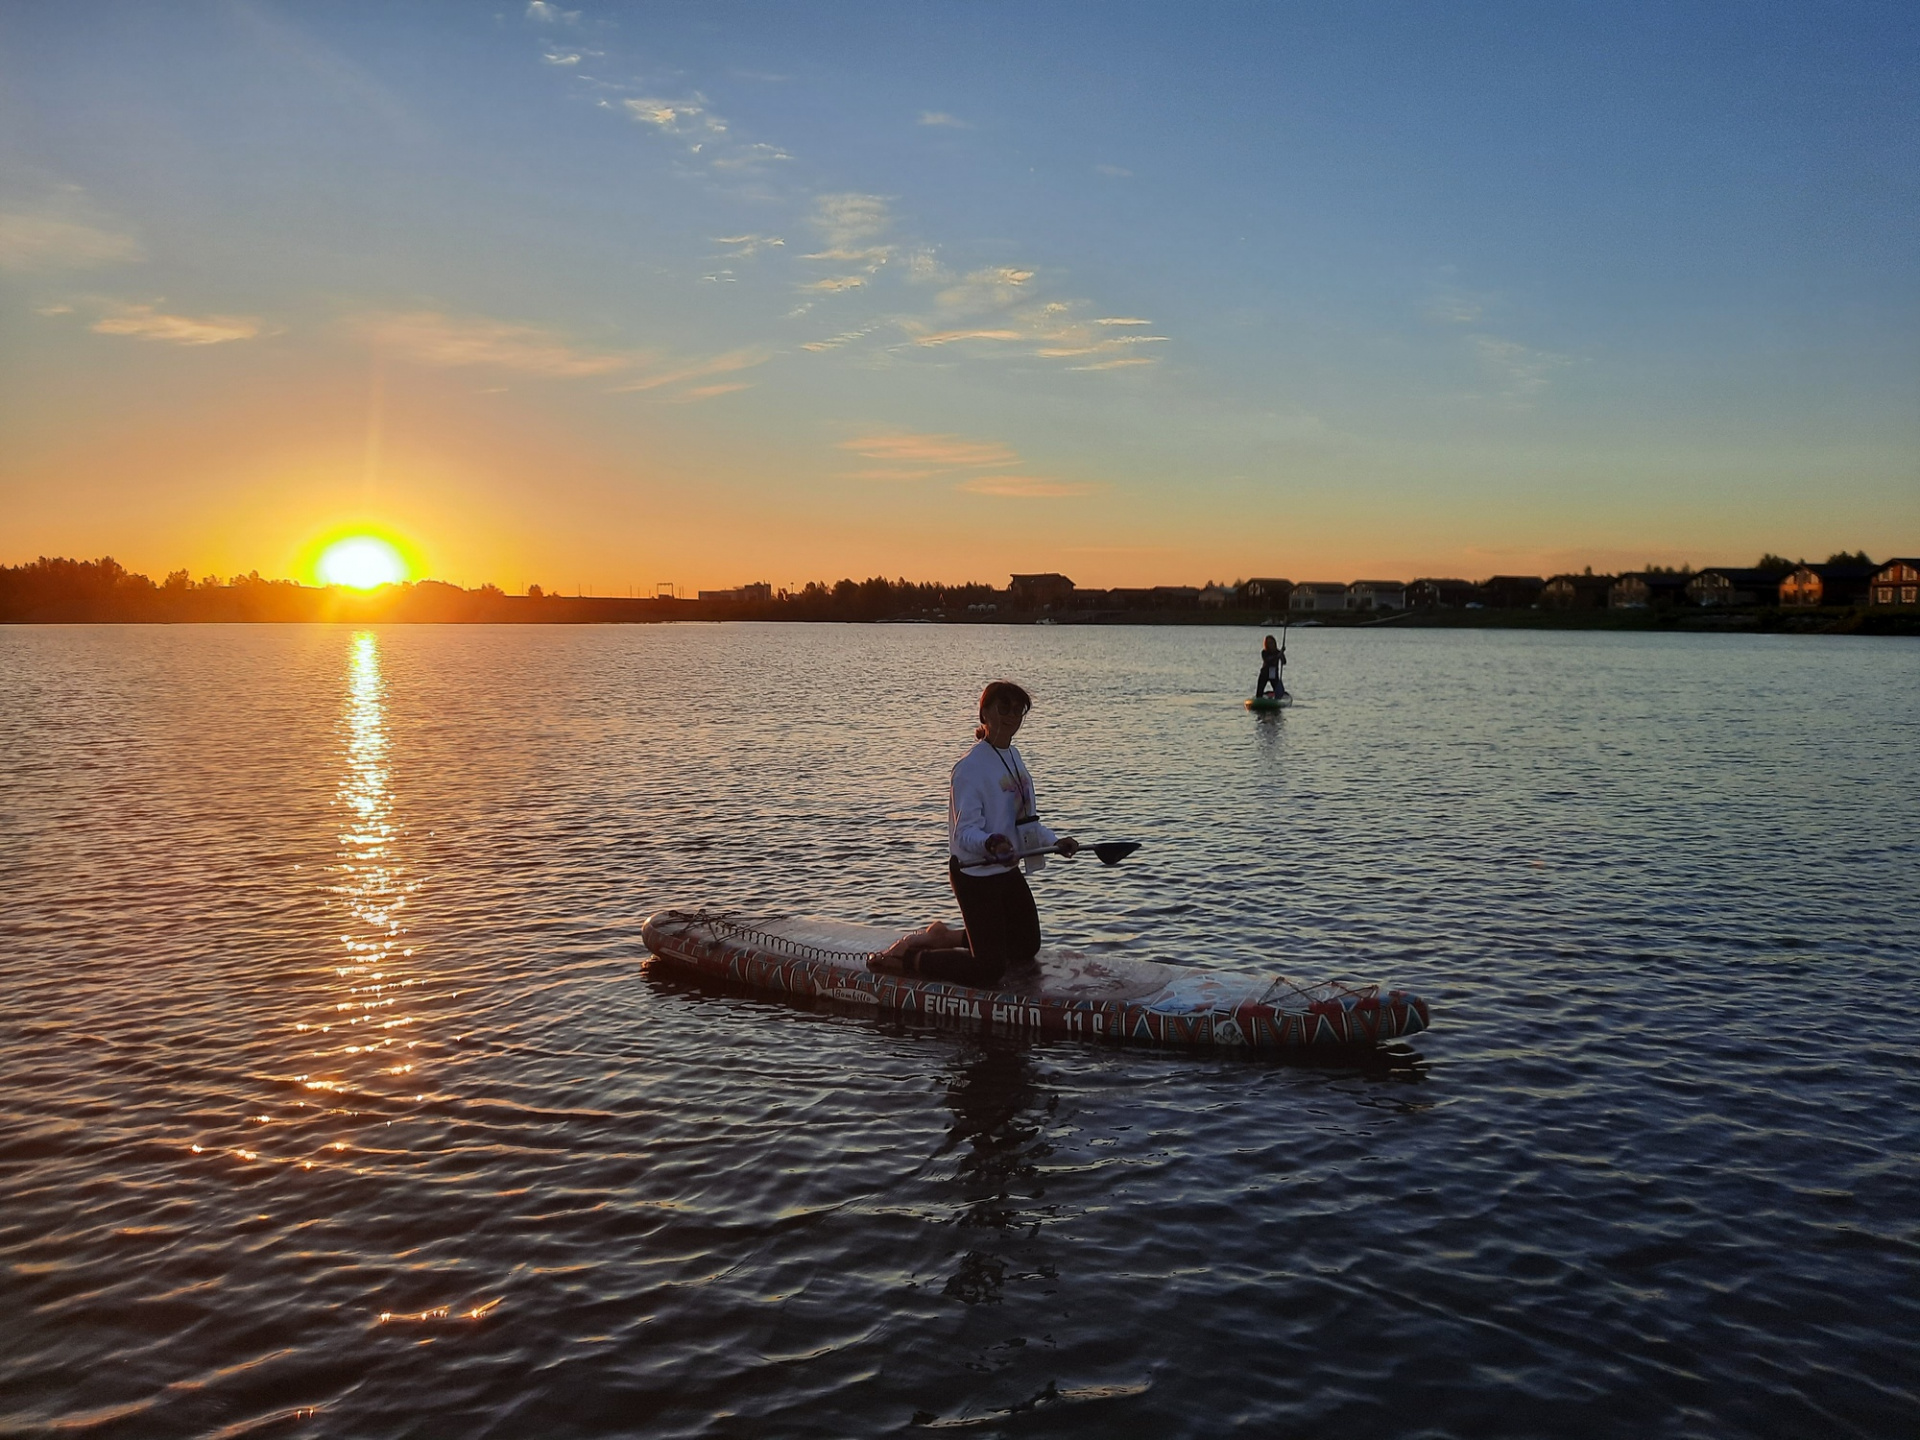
(1111, 852)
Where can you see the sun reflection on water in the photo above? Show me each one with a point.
(372, 884)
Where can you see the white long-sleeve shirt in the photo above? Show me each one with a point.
(990, 794)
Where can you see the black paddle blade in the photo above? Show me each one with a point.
(1114, 851)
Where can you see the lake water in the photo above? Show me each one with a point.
(339, 1101)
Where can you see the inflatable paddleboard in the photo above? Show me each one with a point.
(1073, 993)
(1270, 702)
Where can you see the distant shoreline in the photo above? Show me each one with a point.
(82, 592)
(324, 607)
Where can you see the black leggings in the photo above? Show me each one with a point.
(1003, 929)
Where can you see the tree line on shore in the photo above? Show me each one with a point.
(66, 590)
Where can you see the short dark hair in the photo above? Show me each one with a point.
(1001, 693)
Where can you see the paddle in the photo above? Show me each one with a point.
(1111, 852)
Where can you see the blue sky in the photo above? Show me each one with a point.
(613, 294)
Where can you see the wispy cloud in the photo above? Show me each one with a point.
(562, 57)
(845, 337)
(428, 337)
(1027, 487)
(1524, 371)
(949, 337)
(1456, 307)
(706, 135)
(729, 363)
(709, 392)
(848, 218)
(547, 14)
(850, 224)
(676, 117)
(905, 455)
(745, 247)
(1070, 345)
(144, 322)
(988, 289)
(997, 307)
(749, 156)
(881, 472)
(1117, 172)
(940, 119)
(924, 268)
(1047, 332)
(945, 452)
(47, 240)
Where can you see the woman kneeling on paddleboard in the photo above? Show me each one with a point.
(992, 823)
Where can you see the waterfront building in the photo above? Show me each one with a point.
(1827, 585)
(1319, 595)
(758, 591)
(1216, 597)
(1576, 592)
(1037, 592)
(1641, 589)
(1513, 592)
(1735, 585)
(1271, 594)
(1896, 583)
(1376, 595)
(1443, 595)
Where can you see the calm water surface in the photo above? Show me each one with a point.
(340, 1103)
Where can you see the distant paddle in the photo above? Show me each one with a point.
(1112, 852)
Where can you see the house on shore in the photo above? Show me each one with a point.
(1576, 592)
(1827, 585)
(1039, 592)
(1269, 594)
(1316, 595)
(1217, 597)
(1442, 595)
(758, 591)
(1513, 592)
(1735, 585)
(1642, 589)
(1896, 583)
(1377, 595)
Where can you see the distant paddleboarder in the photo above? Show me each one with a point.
(1272, 657)
(992, 821)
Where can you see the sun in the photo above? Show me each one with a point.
(362, 562)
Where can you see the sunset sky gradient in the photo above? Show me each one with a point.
(612, 295)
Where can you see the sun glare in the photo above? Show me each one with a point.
(362, 562)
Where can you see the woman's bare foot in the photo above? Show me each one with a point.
(937, 936)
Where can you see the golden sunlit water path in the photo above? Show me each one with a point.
(339, 1101)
